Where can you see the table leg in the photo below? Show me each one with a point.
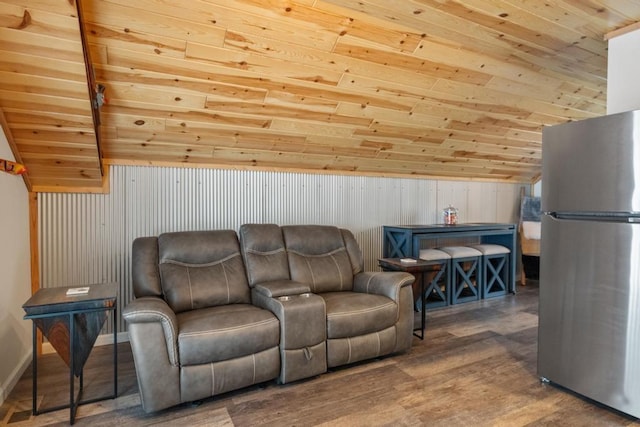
(419, 283)
(424, 306)
(34, 364)
(71, 369)
(115, 354)
(415, 286)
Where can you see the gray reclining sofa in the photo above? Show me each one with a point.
(214, 313)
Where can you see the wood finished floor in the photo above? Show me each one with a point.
(476, 367)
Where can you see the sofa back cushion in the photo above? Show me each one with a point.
(318, 256)
(201, 269)
(264, 253)
(144, 268)
(353, 249)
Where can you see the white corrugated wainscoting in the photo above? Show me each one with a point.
(86, 238)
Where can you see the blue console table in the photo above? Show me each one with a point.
(405, 241)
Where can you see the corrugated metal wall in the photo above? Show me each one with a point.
(86, 238)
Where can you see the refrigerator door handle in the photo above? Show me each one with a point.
(620, 217)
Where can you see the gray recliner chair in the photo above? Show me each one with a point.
(364, 314)
(193, 329)
(369, 314)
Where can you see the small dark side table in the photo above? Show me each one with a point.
(418, 270)
(72, 325)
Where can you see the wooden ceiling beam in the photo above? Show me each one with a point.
(14, 148)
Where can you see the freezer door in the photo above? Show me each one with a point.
(589, 324)
(592, 165)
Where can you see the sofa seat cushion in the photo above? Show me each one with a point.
(350, 314)
(226, 332)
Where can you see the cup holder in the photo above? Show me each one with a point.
(284, 298)
(305, 295)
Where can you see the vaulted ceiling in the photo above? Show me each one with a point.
(420, 88)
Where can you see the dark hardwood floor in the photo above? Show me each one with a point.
(476, 367)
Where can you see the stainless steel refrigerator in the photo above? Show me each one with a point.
(589, 313)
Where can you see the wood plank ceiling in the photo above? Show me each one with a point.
(424, 88)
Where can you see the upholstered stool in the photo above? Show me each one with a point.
(436, 282)
(495, 269)
(465, 276)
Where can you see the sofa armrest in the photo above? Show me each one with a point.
(155, 310)
(278, 288)
(386, 283)
(397, 286)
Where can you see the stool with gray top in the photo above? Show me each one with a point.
(437, 289)
(465, 276)
(495, 269)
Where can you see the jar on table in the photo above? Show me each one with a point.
(450, 215)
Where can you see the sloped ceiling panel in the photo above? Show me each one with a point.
(44, 95)
(425, 88)
(418, 88)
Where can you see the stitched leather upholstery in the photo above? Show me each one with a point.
(200, 335)
(264, 253)
(367, 314)
(350, 314)
(144, 268)
(215, 313)
(201, 269)
(318, 256)
(220, 333)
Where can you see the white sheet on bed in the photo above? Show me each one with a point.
(531, 230)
